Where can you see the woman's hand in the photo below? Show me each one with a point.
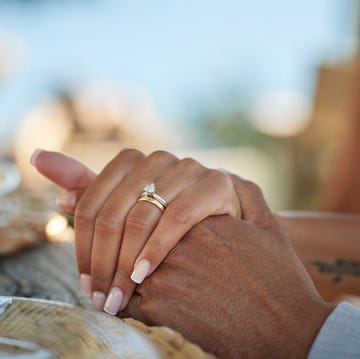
(120, 240)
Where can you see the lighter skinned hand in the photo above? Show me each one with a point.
(235, 287)
(119, 238)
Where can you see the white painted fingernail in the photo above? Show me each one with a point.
(98, 301)
(113, 301)
(35, 155)
(66, 199)
(141, 270)
(85, 282)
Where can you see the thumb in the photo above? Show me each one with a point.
(253, 204)
(65, 171)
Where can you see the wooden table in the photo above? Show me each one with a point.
(47, 271)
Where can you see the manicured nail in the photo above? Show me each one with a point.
(113, 301)
(141, 270)
(66, 199)
(85, 282)
(98, 301)
(34, 156)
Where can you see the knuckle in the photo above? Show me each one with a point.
(123, 273)
(224, 179)
(99, 274)
(159, 284)
(84, 213)
(124, 156)
(138, 220)
(155, 249)
(159, 153)
(106, 223)
(160, 156)
(131, 152)
(253, 187)
(180, 214)
(190, 163)
(220, 178)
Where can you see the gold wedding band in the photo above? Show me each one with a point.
(155, 196)
(146, 198)
(149, 195)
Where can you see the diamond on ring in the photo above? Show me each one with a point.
(149, 195)
(150, 189)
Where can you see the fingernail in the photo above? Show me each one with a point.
(34, 156)
(113, 301)
(98, 301)
(85, 282)
(66, 199)
(140, 271)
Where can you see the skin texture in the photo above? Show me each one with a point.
(235, 287)
(114, 231)
(324, 237)
(224, 273)
(328, 244)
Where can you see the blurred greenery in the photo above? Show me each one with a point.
(227, 124)
(235, 128)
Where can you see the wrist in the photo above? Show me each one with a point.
(304, 328)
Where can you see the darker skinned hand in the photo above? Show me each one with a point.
(235, 287)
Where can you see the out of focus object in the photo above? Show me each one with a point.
(281, 113)
(23, 219)
(11, 54)
(342, 188)
(87, 334)
(321, 154)
(10, 177)
(46, 125)
(98, 111)
(58, 229)
(107, 119)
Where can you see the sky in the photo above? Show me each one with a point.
(180, 52)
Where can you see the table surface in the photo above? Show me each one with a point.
(47, 271)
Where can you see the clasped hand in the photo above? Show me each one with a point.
(119, 238)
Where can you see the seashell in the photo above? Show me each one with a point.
(48, 329)
(23, 219)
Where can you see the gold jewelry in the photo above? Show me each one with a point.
(150, 196)
(154, 201)
(155, 196)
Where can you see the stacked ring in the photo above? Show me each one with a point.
(149, 195)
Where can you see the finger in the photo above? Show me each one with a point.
(92, 200)
(141, 221)
(67, 200)
(63, 170)
(213, 195)
(253, 204)
(110, 221)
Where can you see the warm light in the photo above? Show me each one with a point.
(281, 113)
(56, 225)
(46, 126)
(98, 109)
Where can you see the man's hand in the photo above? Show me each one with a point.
(235, 287)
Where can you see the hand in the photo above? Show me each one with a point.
(118, 237)
(235, 287)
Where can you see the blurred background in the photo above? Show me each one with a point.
(264, 89)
